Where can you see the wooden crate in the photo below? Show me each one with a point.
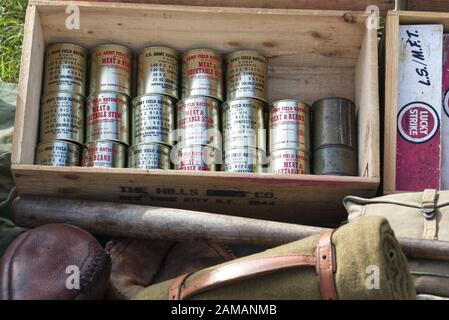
(312, 54)
(394, 19)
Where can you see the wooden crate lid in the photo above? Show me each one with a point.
(346, 5)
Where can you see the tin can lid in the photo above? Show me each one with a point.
(199, 50)
(115, 142)
(253, 100)
(116, 45)
(290, 100)
(211, 99)
(76, 96)
(333, 98)
(251, 52)
(52, 142)
(66, 44)
(155, 95)
(174, 51)
(108, 93)
(156, 144)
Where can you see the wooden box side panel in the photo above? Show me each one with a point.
(367, 101)
(264, 196)
(391, 88)
(394, 19)
(29, 91)
(290, 38)
(358, 5)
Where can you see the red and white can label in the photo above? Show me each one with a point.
(107, 118)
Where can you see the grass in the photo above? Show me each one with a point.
(12, 19)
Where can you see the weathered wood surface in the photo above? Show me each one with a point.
(350, 5)
(123, 220)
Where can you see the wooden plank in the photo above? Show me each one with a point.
(321, 38)
(310, 83)
(351, 5)
(29, 90)
(264, 196)
(367, 102)
(391, 85)
(428, 5)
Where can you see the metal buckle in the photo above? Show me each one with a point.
(428, 213)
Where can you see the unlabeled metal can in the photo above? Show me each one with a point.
(198, 122)
(153, 119)
(246, 75)
(107, 154)
(335, 160)
(202, 74)
(62, 117)
(158, 72)
(65, 69)
(334, 122)
(196, 158)
(289, 126)
(289, 161)
(243, 160)
(107, 117)
(110, 69)
(149, 156)
(58, 153)
(243, 124)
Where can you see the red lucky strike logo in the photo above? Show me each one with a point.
(418, 122)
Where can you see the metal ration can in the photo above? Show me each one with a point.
(107, 154)
(202, 74)
(289, 161)
(110, 69)
(158, 71)
(196, 158)
(107, 117)
(149, 156)
(244, 159)
(246, 75)
(153, 119)
(62, 117)
(289, 125)
(243, 124)
(65, 69)
(58, 153)
(334, 122)
(198, 122)
(336, 160)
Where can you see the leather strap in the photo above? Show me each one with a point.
(176, 287)
(238, 271)
(326, 265)
(323, 261)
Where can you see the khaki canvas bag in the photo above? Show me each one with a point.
(420, 215)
